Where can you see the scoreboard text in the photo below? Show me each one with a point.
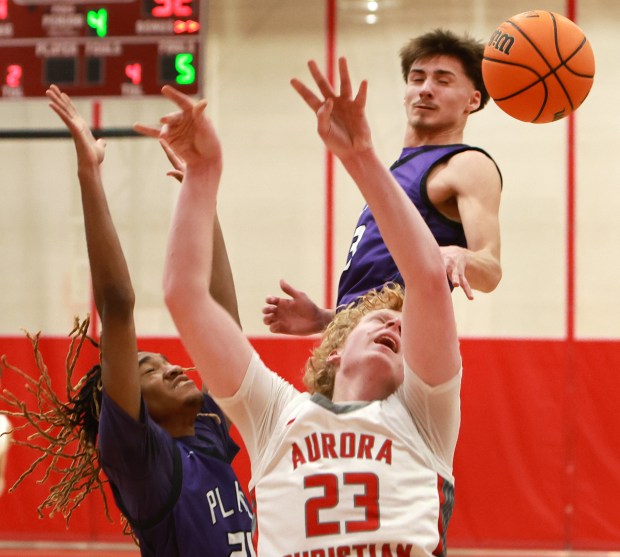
(125, 48)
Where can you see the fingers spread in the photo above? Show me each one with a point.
(183, 101)
(320, 80)
(287, 288)
(199, 107)
(360, 98)
(324, 117)
(308, 96)
(142, 129)
(466, 288)
(175, 160)
(345, 79)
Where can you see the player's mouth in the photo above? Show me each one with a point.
(182, 378)
(423, 106)
(389, 341)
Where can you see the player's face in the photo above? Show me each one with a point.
(438, 95)
(374, 348)
(166, 389)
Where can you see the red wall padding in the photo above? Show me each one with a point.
(537, 465)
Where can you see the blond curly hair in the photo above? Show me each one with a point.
(320, 374)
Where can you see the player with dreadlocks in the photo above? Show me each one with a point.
(65, 433)
(163, 444)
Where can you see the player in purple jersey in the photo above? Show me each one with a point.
(362, 463)
(162, 442)
(454, 186)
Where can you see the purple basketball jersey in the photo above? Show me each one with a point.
(369, 263)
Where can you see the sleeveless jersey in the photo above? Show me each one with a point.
(359, 479)
(369, 263)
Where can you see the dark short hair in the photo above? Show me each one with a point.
(442, 42)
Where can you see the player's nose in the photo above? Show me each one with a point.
(172, 371)
(394, 323)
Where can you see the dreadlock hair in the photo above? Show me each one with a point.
(65, 433)
(84, 406)
(320, 374)
(442, 42)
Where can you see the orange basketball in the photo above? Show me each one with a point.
(538, 66)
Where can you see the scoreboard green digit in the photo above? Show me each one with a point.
(124, 48)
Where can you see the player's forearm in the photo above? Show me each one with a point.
(222, 282)
(189, 256)
(483, 270)
(112, 287)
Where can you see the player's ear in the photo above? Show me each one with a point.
(474, 101)
(334, 358)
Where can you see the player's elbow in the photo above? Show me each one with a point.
(490, 280)
(174, 294)
(497, 277)
(433, 272)
(115, 300)
(182, 294)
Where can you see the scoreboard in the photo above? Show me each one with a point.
(125, 48)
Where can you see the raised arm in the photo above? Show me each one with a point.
(429, 330)
(213, 339)
(112, 289)
(222, 281)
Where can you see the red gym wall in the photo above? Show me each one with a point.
(534, 467)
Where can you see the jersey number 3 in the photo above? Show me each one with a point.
(368, 500)
(355, 242)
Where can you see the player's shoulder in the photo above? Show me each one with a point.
(471, 153)
(474, 164)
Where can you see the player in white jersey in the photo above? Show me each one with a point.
(361, 465)
(366, 475)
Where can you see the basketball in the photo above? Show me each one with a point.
(538, 66)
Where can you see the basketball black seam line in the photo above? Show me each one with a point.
(527, 38)
(552, 70)
(541, 78)
(546, 97)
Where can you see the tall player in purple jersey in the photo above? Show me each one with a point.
(455, 187)
(361, 464)
(163, 443)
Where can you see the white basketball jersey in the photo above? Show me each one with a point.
(342, 480)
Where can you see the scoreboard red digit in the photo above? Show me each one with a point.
(124, 48)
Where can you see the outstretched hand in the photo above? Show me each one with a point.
(89, 150)
(187, 135)
(341, 118)
(178, 164)
(189, 132)
(297, 315)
